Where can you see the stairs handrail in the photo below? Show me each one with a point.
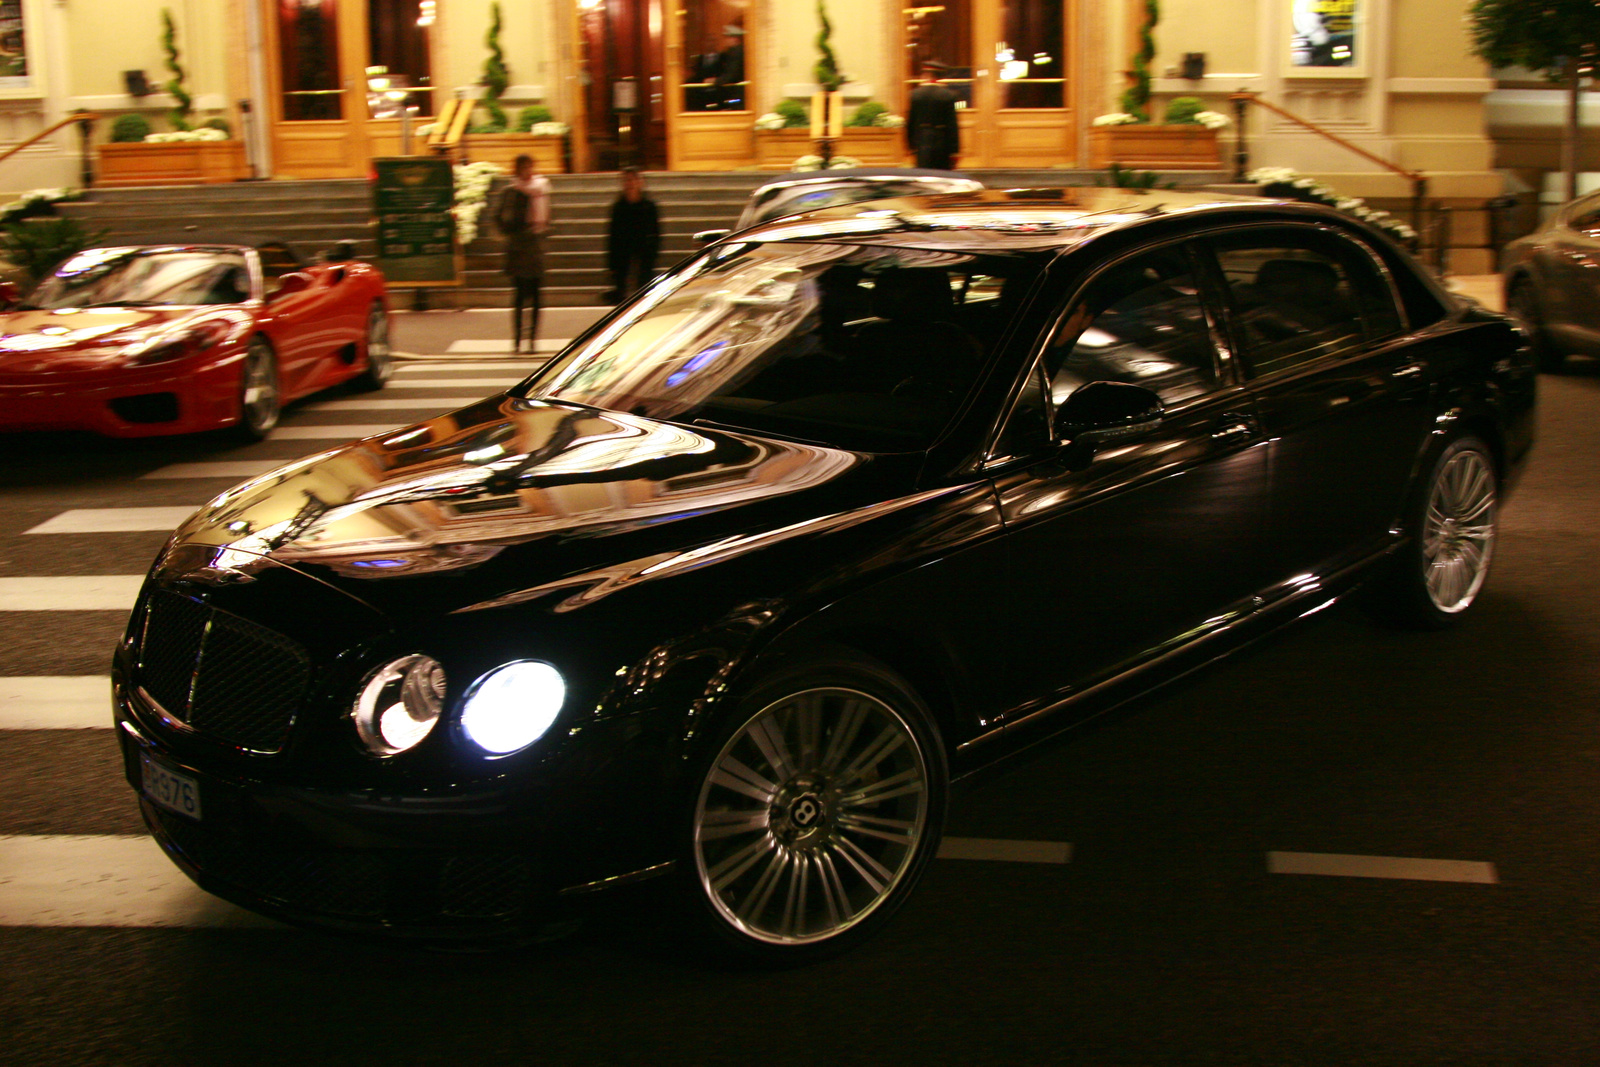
(76, 116)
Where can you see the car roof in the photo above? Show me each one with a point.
(1017, 220)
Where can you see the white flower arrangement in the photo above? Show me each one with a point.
(1116, 118)
(1212, 120)
(549, 129)
(814, 162)
(893, 122)
(36, 196)
(204, 133)
(770, 121)
(472, 193)
(1316, 191)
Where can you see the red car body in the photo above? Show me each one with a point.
(151, 368)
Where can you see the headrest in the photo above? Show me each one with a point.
(1302, 275)
(912, 293)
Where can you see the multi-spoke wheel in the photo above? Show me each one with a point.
(818, 812)
(260, 401)
(380, 360)
(1523, 305)
(1442, 569)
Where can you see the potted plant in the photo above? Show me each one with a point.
(183, 156)
(873, 134)
(1185, 140)
(536, 134)
(782, 134)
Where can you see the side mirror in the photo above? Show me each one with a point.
(1102, 412)
(706, 237)
(293, 282)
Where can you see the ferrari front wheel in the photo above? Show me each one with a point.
(260, 400)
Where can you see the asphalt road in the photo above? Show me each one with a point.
(1170, 936)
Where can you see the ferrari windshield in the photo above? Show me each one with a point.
(858, 347)
(142, 277)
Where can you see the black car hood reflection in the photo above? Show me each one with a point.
(509, 495)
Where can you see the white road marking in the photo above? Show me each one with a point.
(100, 592)
(112, 520)
(222, 468)
(482, 347)
(327, 433)
(458, 383)
(102, 880)
(988, 848)
(1381, 867)
(420, 403)
(450, 366)
(43, 702)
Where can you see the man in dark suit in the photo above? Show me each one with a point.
(932, 130)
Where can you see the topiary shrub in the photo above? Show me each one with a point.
(496, 76)
(129, 128)
(794, 112)
(867, 114)
(179, 115)
(218, 123)
(531, 114)
(1181, 110)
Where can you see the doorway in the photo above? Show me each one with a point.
(623, 65)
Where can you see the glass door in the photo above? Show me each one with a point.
(709, 85)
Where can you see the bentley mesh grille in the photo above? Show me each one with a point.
(221, 675)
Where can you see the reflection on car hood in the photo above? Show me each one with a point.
(507, 493)
(84, 338)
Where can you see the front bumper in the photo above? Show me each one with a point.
(198, 394)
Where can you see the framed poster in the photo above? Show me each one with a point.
(1325, 37)
(412, 197)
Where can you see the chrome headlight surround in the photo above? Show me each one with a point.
(399, 704)
(512, 706)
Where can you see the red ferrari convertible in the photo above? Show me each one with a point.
(170, 339)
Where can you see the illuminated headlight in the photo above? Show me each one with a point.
(399, 703)
(512, 706)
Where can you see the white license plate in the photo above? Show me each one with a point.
(169, 789)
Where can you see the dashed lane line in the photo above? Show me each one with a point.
(421, 403)
(112, 520)
(987, 848)
(1346, 866)
(55, 702)
(99, 592)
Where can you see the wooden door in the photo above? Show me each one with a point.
(317, 87)
(710, 115)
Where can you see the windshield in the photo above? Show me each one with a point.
(863, 348)
(102, 277)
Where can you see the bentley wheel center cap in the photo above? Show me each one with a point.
(806, 811)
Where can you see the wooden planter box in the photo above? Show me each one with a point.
(549, 153)
(876, 145)
(1186, 147)
(172, 163)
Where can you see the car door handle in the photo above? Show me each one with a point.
(1410, 370)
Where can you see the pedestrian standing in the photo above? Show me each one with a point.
(524, 216)
(933, 133)
(633, 240)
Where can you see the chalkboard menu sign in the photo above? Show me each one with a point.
(416, 232)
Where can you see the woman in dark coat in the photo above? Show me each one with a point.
(523, 216)
(634, 238)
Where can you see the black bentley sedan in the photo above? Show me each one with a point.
(840, 510)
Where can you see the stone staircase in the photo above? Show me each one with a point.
(312, 215)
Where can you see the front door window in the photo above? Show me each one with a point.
(308, 53)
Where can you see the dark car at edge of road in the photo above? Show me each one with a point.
(844, 508)
(1552, 284)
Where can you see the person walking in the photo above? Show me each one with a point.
(633, 239)
(524, 216)
(933, 132)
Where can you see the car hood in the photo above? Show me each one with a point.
(497, 499)
(85, 338)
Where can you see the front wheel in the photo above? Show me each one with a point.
(1523, 305)
(380, 359)
(818, 814)
(1441, 570)
(260, 401)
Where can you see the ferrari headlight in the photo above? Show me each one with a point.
(512, 706)
(399, 703)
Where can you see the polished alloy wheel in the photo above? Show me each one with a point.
(1458, 530)
(380, 361)
(259, 400)
(811, 815)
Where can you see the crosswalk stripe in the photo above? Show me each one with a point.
(41, 702)
(100, 592)
(218, 468)
(1347, 866)
(420, 403)
(458, 383)
(327, 433)
(112, 520)
(475, 346)
(451, 366)
(103, 880)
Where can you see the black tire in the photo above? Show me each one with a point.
(1522, 304)
(376, 351)
(1450, 522)
(815, 814)
(260, 397)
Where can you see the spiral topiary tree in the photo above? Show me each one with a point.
(496, 78)
(1136, 97)
(179, 115)
(827, 68)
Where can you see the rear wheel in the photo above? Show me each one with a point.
(380, 360)
(1441, 570)
(260, 401)
(818, 813)
(1523, 305)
